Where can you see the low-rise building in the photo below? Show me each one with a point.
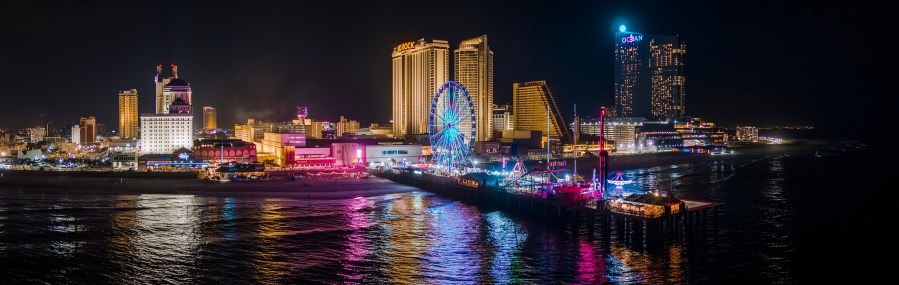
(647, 205)
(346, 126)
(697, 132)
(282, 146)
(313, 157)
(34, 154)
(347, 154)
(252, 131)
(479, 180)
(622, 132)
(312, 128)
(747, 134)
(179, 160)
(502, 118)
(124, 159)
(391, 155)
(224, 150)
(378, 130)
(37, 134)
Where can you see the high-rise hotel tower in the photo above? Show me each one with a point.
(419, 68)
(649, 76)
(209, 118)
(171, 126)
(473, 62)
(534, 106)
(168, 88)
(128, 114)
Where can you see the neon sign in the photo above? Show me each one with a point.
(183, 156)
(631, 38)
(405, 46)
(557, 163)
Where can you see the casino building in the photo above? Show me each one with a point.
(649, 76)
(419, 68)
(171, 127)
(224, 150)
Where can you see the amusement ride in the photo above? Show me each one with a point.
(451, 127)
(452, 124)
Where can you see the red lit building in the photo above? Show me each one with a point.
(313, 157)
(224, 150)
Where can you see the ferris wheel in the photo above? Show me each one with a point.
(452, 126)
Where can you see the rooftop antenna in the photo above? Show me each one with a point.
(603, 154)
(547, 136)
(577, 127)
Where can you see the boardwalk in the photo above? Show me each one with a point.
(593, 214)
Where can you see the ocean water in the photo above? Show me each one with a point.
(793, 218)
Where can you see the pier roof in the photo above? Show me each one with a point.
(652, 199)
(478, 176)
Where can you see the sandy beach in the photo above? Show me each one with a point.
(325, 188)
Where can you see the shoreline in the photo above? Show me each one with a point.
(322, 188)
(315, 189)
(660, 159)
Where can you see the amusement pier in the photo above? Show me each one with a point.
(648, 216)
(550, 192)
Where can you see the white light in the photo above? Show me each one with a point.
(622, 28)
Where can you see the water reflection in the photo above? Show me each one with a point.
(229, 216)
(452, 254)
(406, 226)
(627, 266)
(63, 223)
(167, 236)
(357, 241)
(506, 237)
(776, 208)
(590, 266)
(412, 238)
(268, 264)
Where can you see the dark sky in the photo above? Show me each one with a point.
(764, 63)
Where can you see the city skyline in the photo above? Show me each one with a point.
(387, 142)
(578, 61)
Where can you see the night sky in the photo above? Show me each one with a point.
(765, 64)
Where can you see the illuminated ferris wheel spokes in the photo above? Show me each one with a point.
(451, 126)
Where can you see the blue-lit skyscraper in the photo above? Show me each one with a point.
(649, 76)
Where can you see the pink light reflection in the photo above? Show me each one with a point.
(590, 269)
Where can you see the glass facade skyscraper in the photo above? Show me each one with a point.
(649, 76)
